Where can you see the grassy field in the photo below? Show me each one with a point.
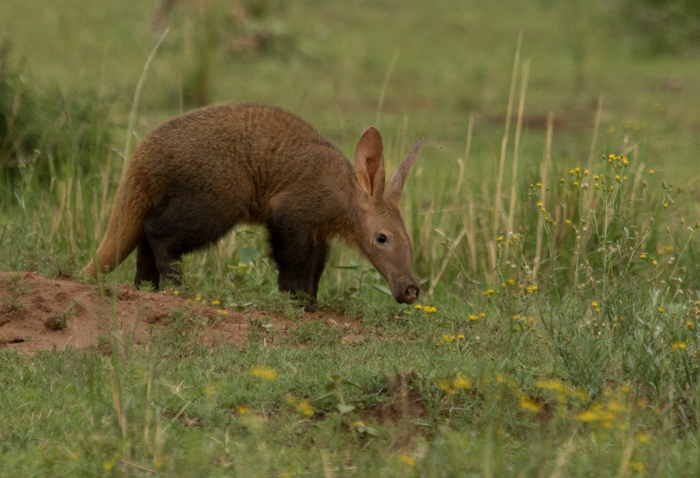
(553, 210)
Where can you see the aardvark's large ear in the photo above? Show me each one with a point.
(394, 187)
(369, 163)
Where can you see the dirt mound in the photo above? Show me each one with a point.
(37, 313)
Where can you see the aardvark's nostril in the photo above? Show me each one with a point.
(412, 293)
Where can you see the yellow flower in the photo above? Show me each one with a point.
(594, 304)
(197, 299)
(263, 372)
(527, 404)
(446, 386)
(665, 205)
(482, 314)
(637, 465)
(551, 384)
(678, 345)
(214, 302)
(651, 172)
(625, 160)
(587, 416)
(461, 337)
(643, 256)
(418, 306)
(473, 317)
(292, 400)
(407, 459)
(462, 382)
(654, 262)
(575, 183)
(305, 408)
(176, 292)
(243, 409)
(489, 292)
(643, 437)
(567, 221)
(448, 338)
(595, 413)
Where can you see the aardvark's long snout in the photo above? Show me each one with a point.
(406, 291)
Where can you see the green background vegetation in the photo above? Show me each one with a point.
(585, 360)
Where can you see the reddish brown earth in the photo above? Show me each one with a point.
(53, 314)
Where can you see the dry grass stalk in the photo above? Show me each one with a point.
(504, 142)
(471, 234)
(467, 150)
(445, 262)
(518, 131)
(544, 171)
(497, 207)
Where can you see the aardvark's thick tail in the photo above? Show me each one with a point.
(125, 230)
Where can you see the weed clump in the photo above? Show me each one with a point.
(54, 131)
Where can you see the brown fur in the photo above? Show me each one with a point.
(198, 175)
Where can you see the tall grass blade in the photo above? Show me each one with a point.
(385, 84)
(544, 171)
(516, 149)
(497, 207)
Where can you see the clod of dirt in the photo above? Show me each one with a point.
(57, 322)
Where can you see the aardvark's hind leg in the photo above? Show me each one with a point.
(146, 269)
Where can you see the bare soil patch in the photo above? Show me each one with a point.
(38, 313)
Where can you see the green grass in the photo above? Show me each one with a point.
(585, 360)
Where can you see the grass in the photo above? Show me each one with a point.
(557, 333)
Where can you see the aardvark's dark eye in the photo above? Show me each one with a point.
(381, 238)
